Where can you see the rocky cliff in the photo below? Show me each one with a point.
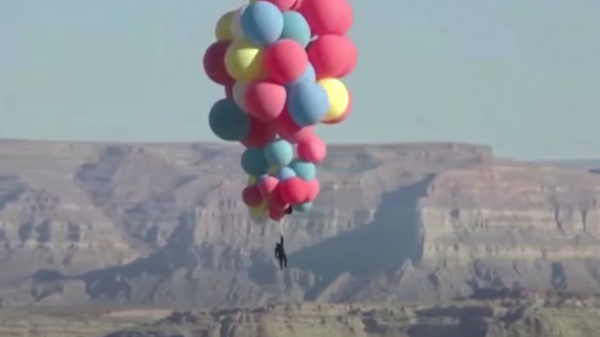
(163, 224)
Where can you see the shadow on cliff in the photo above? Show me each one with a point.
(115, 282)
(393, 236)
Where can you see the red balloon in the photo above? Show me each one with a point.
(283, 5)
(285, 61)
(294, 191)
(314, 187)
(261, 133)
(276, 214)
(214, 63)
(296, 5)
(312, 149)
(276, 201)
(345, 114)
(265, 100)
(251, 196)
(332, 56)
(289, 130)
(267, 185)
(327, 16)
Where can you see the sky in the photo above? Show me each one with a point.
(521, 75)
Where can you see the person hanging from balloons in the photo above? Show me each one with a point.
(280, 253)
(279, 250)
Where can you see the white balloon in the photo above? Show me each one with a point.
(236, 25)
(239, 91)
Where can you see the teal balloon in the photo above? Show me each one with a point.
(279, 152)
(304, 169)
(227, 121)
(254, 162)
(285, 173)
(295, 27)
(302, 207)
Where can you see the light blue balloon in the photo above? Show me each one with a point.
(295, 27)
(303, 169)
(302, 207)
(308, 103)
(254, 161)
(262, 23)
(285, 173)
(279, 152)
(309, 76)
(227, 121)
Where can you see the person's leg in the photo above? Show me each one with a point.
(281, 263)
(285, 261)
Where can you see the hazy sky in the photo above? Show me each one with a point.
(522, 75)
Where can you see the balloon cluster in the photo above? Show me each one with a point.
(280, 62)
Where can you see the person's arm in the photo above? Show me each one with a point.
(281, 240)
(276, 253)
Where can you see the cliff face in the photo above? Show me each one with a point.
(164, 224)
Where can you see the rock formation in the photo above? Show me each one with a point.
(163, 224)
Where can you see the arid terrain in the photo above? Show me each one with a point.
(529, 316)
(162, 226)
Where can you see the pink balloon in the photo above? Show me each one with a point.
(312, 149)
(288, 129)
(251, 196)
(261, 133)
(265, 100)
(332, 56)
(285, 61)
(267, 185)
(314, 187)
(276, 214)
(327, 16)
(294, 191)
(283, 5)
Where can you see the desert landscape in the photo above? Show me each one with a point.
(419, 240)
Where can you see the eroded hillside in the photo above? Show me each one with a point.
(84, 223)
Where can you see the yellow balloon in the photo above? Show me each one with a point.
(259, 214)
(338, 97)
(273, 169)
(244, 61)
(223, 28)
(252, 180)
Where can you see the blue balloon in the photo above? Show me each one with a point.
(279, 152)
(254, 161)
(309, 76)
(295, 27)
(285, 173)
(304, 169)
(302, 207)
(227, 121)
(262, 23)
(308, 103)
